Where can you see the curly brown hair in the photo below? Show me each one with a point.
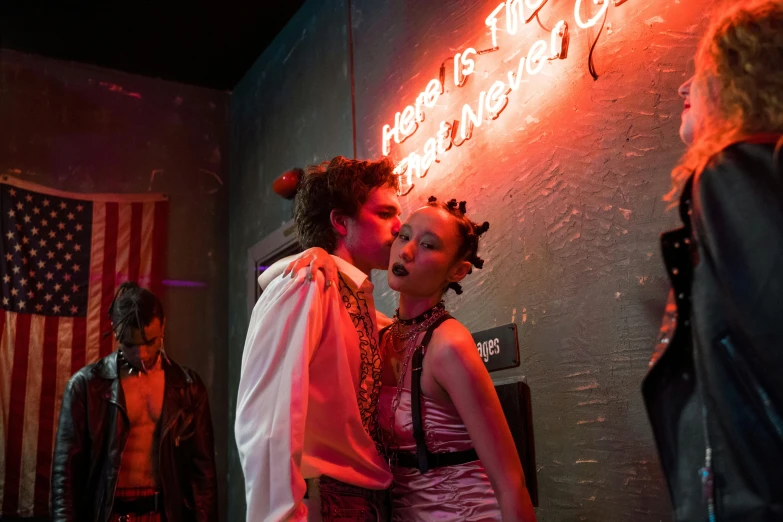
(341, 184)
(739, 62)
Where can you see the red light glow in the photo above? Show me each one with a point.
(492, 101)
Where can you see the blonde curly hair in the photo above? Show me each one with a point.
(739, 66)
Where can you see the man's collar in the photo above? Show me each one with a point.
(176, 376)
(354, 274)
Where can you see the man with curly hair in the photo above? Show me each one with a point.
(305, 424)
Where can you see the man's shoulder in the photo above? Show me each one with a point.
(90, 371)
(740, 184)
(88, 374)
(288, 298)
(82, 376)
(178, 373)
(297, 290)
(298, 282)
(745, 167)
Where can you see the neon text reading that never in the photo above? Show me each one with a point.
(492, 101)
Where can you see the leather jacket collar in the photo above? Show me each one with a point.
(176, 377)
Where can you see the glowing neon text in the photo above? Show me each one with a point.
(492, 101)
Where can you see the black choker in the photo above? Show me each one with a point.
(123, 361)
(419, 318)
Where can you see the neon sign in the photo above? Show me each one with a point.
(491, 101)
(592, 21)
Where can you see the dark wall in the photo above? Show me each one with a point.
(571, 177)
(292, 108)
(84, 129)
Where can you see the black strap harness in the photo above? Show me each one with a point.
(424, 460)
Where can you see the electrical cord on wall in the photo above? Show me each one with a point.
(535, 14)
(590, 62)
(542, 25)
(353, 82)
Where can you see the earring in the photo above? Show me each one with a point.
(163, 350)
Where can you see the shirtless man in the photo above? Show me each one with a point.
(135, 434)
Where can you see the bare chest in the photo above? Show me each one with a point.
(394, 361)
(143, 404)
(398, 368)
(144, 398)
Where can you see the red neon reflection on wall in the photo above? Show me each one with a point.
(492, 101)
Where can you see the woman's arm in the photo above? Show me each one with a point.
(275, 269)
(457, 368)
(315, 258)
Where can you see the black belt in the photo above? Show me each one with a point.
(436, 460)
(139, 505)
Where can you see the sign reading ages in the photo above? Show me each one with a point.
(498, 347)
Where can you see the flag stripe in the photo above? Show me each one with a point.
(65, 339)
(40, 352)
(48, 371)
(123, 241)
(159, 246)
(147, 227)
(6, 371)
(134, 265)
(108, 275)
(31, 414)
(13, 447)
(78, 355)
(94, 310)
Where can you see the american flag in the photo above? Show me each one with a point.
(62, 255)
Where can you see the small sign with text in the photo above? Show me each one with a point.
(498, 347)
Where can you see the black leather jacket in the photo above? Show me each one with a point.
(92, 433)
(714, 393)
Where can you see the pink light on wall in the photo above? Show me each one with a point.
(505, 25)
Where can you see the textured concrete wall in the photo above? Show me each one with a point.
(85, 129)
(571, 177)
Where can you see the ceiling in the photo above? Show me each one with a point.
(211, 44)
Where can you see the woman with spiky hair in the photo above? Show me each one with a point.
(444, 431)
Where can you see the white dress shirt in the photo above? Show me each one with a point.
(297, 414)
